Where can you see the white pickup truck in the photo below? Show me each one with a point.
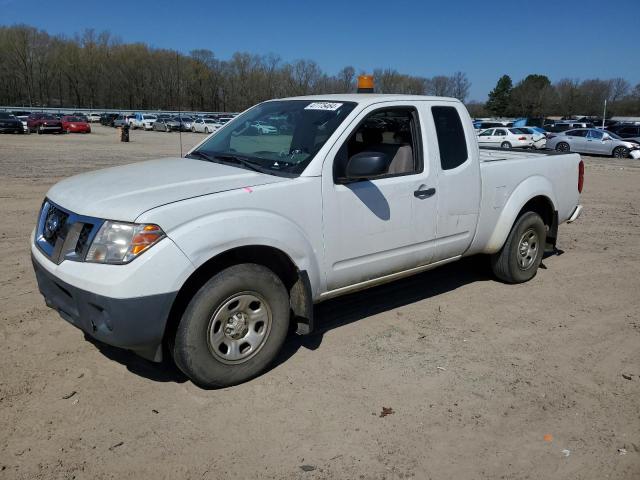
(214, 256)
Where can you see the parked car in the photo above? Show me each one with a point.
(558, 127)
(119, 121)
(538, 136)
(185, 123)
(631, 132)
(242, 237)
(479, 126)
(205, 125)
(22, 116)
(593, 141)
(10, 124)
(263, 128)
(142, 120)
(80, 115)
(93, 117)
(73, 124)
(43, 123)
(166, 125)
(504, 138)
(107, 119)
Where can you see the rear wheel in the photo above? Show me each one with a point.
(620, 152)
(234, 326)
(563, 147)
(505, 145)
(519, 258)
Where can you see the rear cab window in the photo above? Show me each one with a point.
(452, 141)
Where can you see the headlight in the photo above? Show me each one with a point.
(119, 243)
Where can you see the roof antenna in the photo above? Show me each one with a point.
(179, 107)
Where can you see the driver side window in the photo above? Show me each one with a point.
(391, 131)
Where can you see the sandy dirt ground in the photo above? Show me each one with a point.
(485, 380)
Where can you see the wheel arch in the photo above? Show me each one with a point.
(295, 281)
(534, 194)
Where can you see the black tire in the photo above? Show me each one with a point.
(563, 147)
(40, 131)
(193, 129)
(206, 130)
(620, 152)
(505, 145)
(192, 349)
(511, 264)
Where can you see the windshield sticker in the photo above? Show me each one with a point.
(323, 106)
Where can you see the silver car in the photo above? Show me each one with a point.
(593, 141)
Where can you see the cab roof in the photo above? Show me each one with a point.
(369, 98)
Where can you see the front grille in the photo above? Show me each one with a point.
(83, 238)
(63, 235)
(55, 224)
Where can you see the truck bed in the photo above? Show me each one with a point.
(511, 177)
(491, 154)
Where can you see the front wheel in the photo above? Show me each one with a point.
(563, 147)
(519, 258)
(620, 152)
(233, 328)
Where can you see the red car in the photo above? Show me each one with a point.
(72, 124)
(43, 122)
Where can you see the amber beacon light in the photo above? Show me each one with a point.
(365, 84)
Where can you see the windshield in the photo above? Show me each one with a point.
(6, 115)
(613, 135)
(278, 136)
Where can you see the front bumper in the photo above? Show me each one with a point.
(135, 324)
(12, 129)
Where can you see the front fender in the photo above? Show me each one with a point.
(531, 187)
(206, 237)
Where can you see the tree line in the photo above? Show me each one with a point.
(536, 96)
(96, 70)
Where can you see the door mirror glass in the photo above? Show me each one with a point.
(367, 165)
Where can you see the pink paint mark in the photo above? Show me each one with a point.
(248, 189)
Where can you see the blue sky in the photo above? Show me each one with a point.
(580, 39)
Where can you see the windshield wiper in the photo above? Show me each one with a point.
(198, 153)
(242, 161)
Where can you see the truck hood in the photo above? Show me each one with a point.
(124, 193)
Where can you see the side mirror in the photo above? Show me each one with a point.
(366, 165)
(606, 137)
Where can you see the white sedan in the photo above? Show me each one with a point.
(505, 138)
(205, 125)
(93, 117)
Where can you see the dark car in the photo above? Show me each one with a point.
(44, 122)
(107, 119)
(10, 124)
(627, 131)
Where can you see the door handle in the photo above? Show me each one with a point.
(425, 193)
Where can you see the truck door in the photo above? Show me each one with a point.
(459, 186)
(378, 227)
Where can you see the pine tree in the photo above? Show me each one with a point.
(500, 97)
